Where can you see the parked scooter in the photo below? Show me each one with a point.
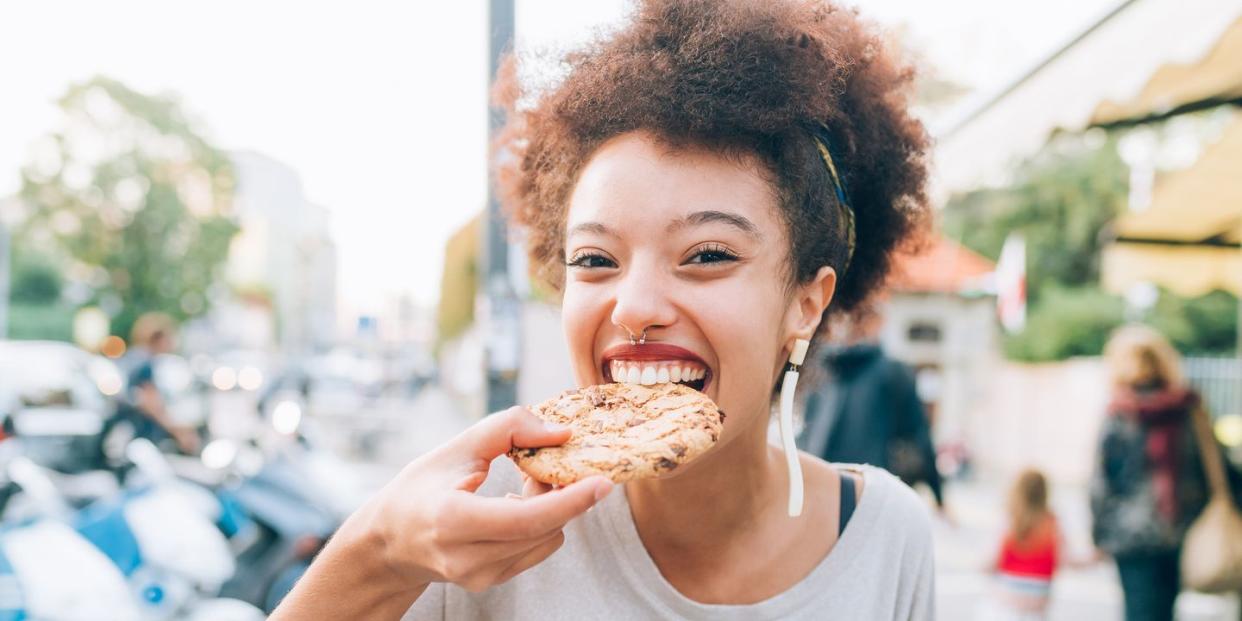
(274, 480)
(47, 569)
(164, 538)
(159, 536)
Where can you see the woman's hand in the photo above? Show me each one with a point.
(436, 530)
(427, 525)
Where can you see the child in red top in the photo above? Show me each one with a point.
(1030, 551)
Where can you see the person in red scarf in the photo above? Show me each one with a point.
(1149, 483)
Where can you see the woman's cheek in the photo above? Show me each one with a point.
(743, 361)
(581, 322)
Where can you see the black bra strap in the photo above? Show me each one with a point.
(847, 501)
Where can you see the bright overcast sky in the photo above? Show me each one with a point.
(380, 105)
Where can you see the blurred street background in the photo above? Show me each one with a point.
(296, 198)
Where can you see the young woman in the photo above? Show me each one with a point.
(709, 182)
(1149, 483)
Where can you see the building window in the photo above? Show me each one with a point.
(923, 332)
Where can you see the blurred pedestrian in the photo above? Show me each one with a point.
(1030, 551)
(1149, 483)
(868, 411)
(147, 408)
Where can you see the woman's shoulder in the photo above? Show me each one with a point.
(887, 508)
(901, 503)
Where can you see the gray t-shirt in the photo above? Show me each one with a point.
(881, 568)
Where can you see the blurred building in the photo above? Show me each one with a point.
(939, 318)
(283, 254)
(460, 340)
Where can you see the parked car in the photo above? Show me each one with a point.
(59, 400)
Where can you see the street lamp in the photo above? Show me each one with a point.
(5, 268)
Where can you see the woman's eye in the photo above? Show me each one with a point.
(590, 261)
(712, 254)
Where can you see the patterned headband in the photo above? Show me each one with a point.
(845, 217)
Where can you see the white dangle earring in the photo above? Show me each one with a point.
(788, 385)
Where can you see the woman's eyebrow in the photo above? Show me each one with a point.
(590, 227)
(704, 217)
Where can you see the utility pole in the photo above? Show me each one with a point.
(6, 267)
(501, 308)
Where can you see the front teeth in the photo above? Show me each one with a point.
(649, 376)
(658, 373)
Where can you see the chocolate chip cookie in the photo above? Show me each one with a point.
(623, 431)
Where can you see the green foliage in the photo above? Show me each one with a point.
(35, 280)
(1078, 321)
(1202, 325)
(135, 197)
(458, 282)
(1060, 202)
(1066, 322)
(52, 322)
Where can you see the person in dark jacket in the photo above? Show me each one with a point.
(868, 411)
(1149, 483)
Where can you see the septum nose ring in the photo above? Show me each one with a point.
(641, 340)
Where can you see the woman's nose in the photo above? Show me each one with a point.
(642, 302)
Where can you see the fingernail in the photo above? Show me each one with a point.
(552, 427)
(602, 489)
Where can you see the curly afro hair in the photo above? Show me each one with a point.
(748, 79)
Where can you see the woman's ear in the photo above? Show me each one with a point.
(809, 302)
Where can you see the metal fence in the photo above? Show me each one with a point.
(1219, 380)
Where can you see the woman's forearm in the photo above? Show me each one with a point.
(350, 580)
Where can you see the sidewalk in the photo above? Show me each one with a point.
(964, 551)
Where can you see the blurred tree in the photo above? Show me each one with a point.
(1066, 322)
(1204, 325)
(458, 282)
(35, 281)
(135, 197)
(1062, 200)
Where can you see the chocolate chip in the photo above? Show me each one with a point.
(666, 463)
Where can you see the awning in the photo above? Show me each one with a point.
(1143, 53)
(1186, 271)
(1190, 239)
(1216, 78)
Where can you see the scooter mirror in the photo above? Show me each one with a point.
(37, 484)
(148, 459)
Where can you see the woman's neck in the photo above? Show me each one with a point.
(719, 532)
(727, 490)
